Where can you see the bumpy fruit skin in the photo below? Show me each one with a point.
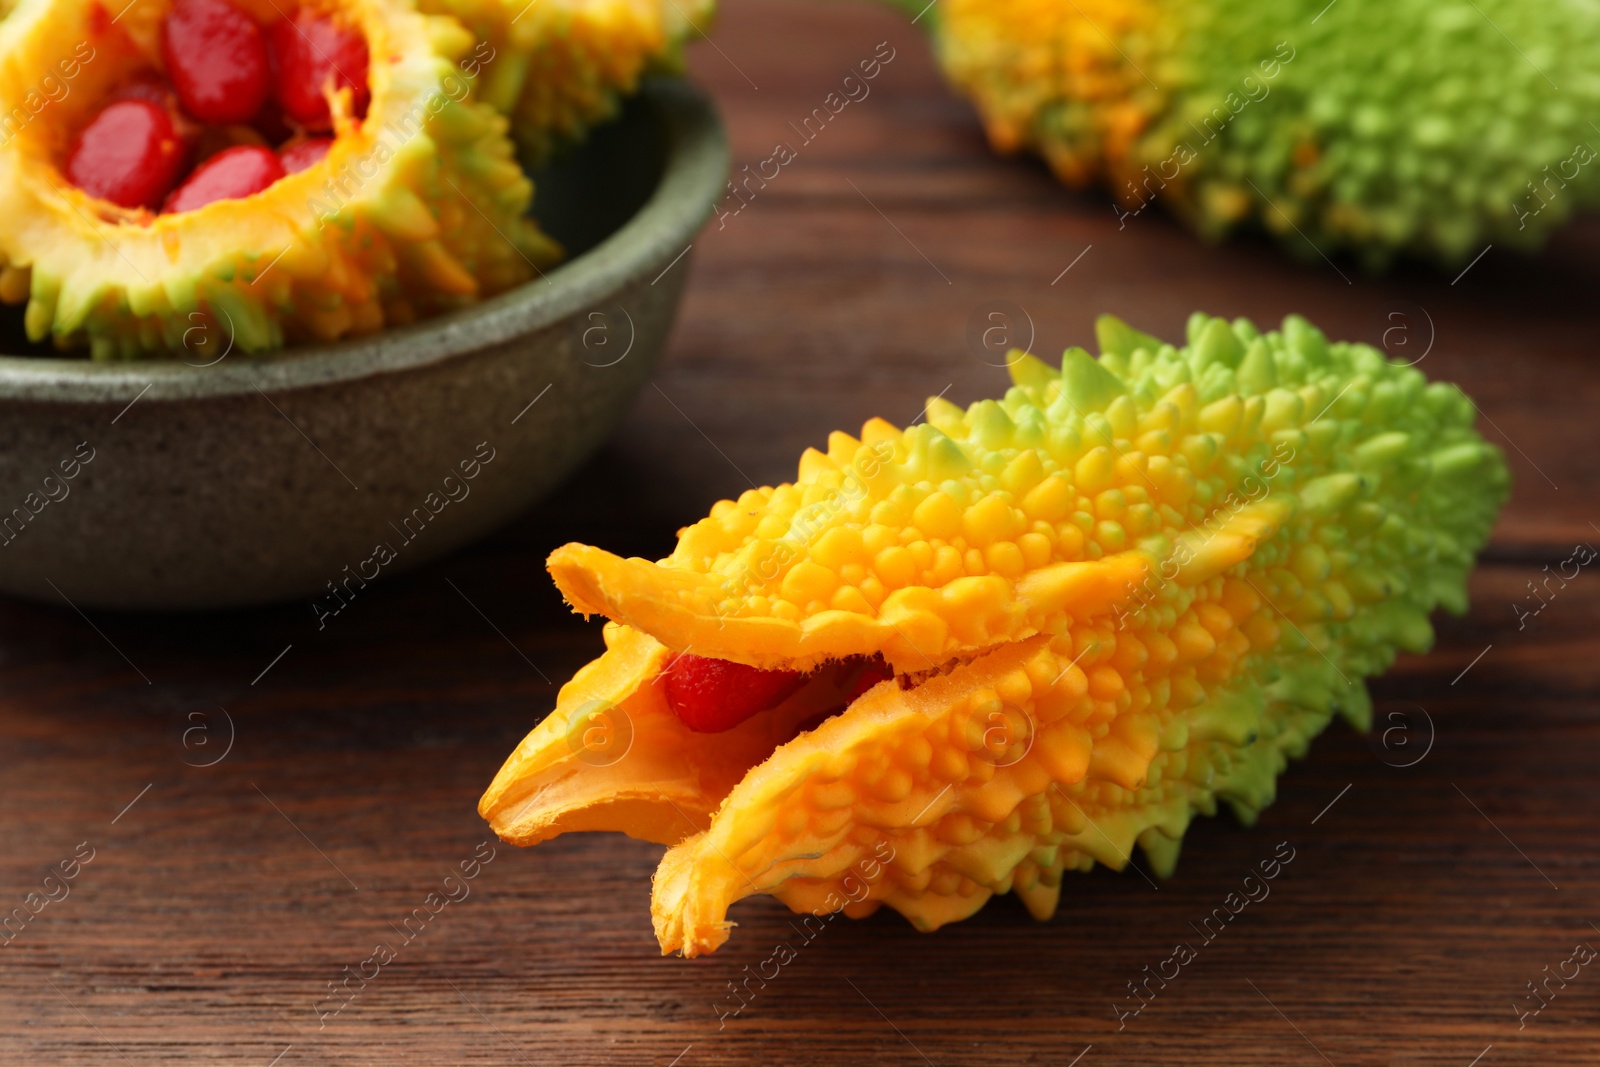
(1317, 123)
(560, 67)
(419, 208)
(1116, 597)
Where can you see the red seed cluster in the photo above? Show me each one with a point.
(233, 89)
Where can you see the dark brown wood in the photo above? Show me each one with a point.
(1421, 900)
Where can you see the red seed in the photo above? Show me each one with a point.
(713, 695)
(232, 174)
(302, 154)
(129, 154)
(216, 58)
(312, 54)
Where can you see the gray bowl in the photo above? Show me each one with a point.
(171, 486)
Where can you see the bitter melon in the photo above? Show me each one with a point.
(1124, 592)
(417, 206)
(1385, 127)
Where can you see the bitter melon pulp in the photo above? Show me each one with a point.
(1036, 632)
(1386, 127)
(418, 205)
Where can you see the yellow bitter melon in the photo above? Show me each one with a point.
(417, 208)
(1126, 591)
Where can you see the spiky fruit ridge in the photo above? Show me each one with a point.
(1311, 121)
(1121, 594)
(560, 67)
(416, 209)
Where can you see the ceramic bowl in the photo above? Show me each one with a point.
(168, 485)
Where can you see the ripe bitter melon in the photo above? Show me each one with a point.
(417, 207)
(1124, 592)
(1319, 122)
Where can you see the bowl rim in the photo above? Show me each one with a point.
(692, 178)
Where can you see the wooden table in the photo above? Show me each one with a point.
(221, 901)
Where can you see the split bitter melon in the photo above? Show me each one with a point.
(1036, 632)
(417, 208)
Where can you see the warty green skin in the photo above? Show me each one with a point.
(1390, 479)
(1432, 120)
(1439, 128)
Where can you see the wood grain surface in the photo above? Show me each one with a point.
(221, 901)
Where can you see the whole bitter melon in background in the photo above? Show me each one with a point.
(417, 207)
(1380, 126)
(1024, 637)
(560, 67)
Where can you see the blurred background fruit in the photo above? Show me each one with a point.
(1385, 127)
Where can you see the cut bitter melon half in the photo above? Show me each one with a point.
(561, 67)
(1125, 592)
(417, 208)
